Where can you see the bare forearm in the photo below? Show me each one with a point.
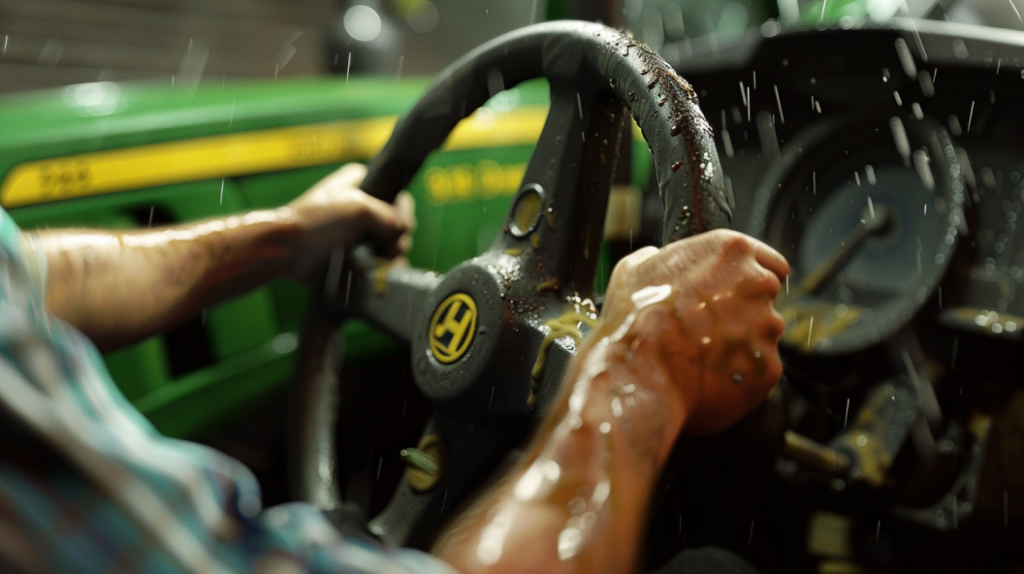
(120, 287)
(578, 501)
(689, 345)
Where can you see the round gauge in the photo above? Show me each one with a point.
(867, 213)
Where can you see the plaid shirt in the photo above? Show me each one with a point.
(88, 485)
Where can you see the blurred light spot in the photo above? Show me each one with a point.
(672, 16)
(954, 127)
(927, 83)
(285, 343)
(633, 9)
(93, 99)
(529, 485)
(277, 516)
(881, 10)
(551, 470)
(906, 58)
(652, 28)
(601, 492)
(493, 539)
(650, 295)
(922, 163)
(789, 12)
(569, 541)
(734, 20)
(51, 52)
(362, 23)
(423, 17)
(899, 135)
(960, 49)
(287, 51)
(770, 28)
(504, 101)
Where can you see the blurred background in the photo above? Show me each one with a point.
(222, 375)
(50, 43)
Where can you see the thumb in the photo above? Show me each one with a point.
(349, 176)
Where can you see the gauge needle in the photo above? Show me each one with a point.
(824, 271)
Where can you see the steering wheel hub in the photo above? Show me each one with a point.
(457, 340)
(482, 337)
(452, 328)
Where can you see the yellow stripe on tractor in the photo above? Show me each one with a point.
(233, 155)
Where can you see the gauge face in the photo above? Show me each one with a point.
(868, 237)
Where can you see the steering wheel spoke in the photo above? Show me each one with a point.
(555, 223)
(464, 453)
(491, 341)
(389, 297)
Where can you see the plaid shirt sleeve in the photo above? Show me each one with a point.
(88, 485)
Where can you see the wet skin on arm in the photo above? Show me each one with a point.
(688, 344)
(120, 287)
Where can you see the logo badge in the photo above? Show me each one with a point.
(452, 328)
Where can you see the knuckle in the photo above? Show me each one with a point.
(733, 246)
(737, 243)
(622, 268)
(767, 283)
(630, 262)
(720, 234)
(359, 208)
(775, 325)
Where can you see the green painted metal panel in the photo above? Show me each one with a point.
(198, 402)
(49, 123)
(462, 197)
(242, 323)
(830, 12)
(139, 369)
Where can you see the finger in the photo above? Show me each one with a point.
(634, 259)
(759, 282)
(621, 285)
(382, 222)
(349, 175)
(770, 259)
(405, 205)
(626, 266)
(404, 243)
(772, 326)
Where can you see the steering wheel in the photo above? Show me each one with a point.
(491, 340)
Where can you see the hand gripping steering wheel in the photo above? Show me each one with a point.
(491, 340)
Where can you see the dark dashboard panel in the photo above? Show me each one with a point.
(887, 165)
(833, 89)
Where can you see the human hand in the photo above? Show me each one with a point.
(336, 213)
(717, 333)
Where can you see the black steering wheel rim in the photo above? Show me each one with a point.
(662, 104)
(594, 72)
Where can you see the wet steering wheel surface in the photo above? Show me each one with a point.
(491, 340)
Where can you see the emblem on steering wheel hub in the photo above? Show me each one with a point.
(452, 327)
